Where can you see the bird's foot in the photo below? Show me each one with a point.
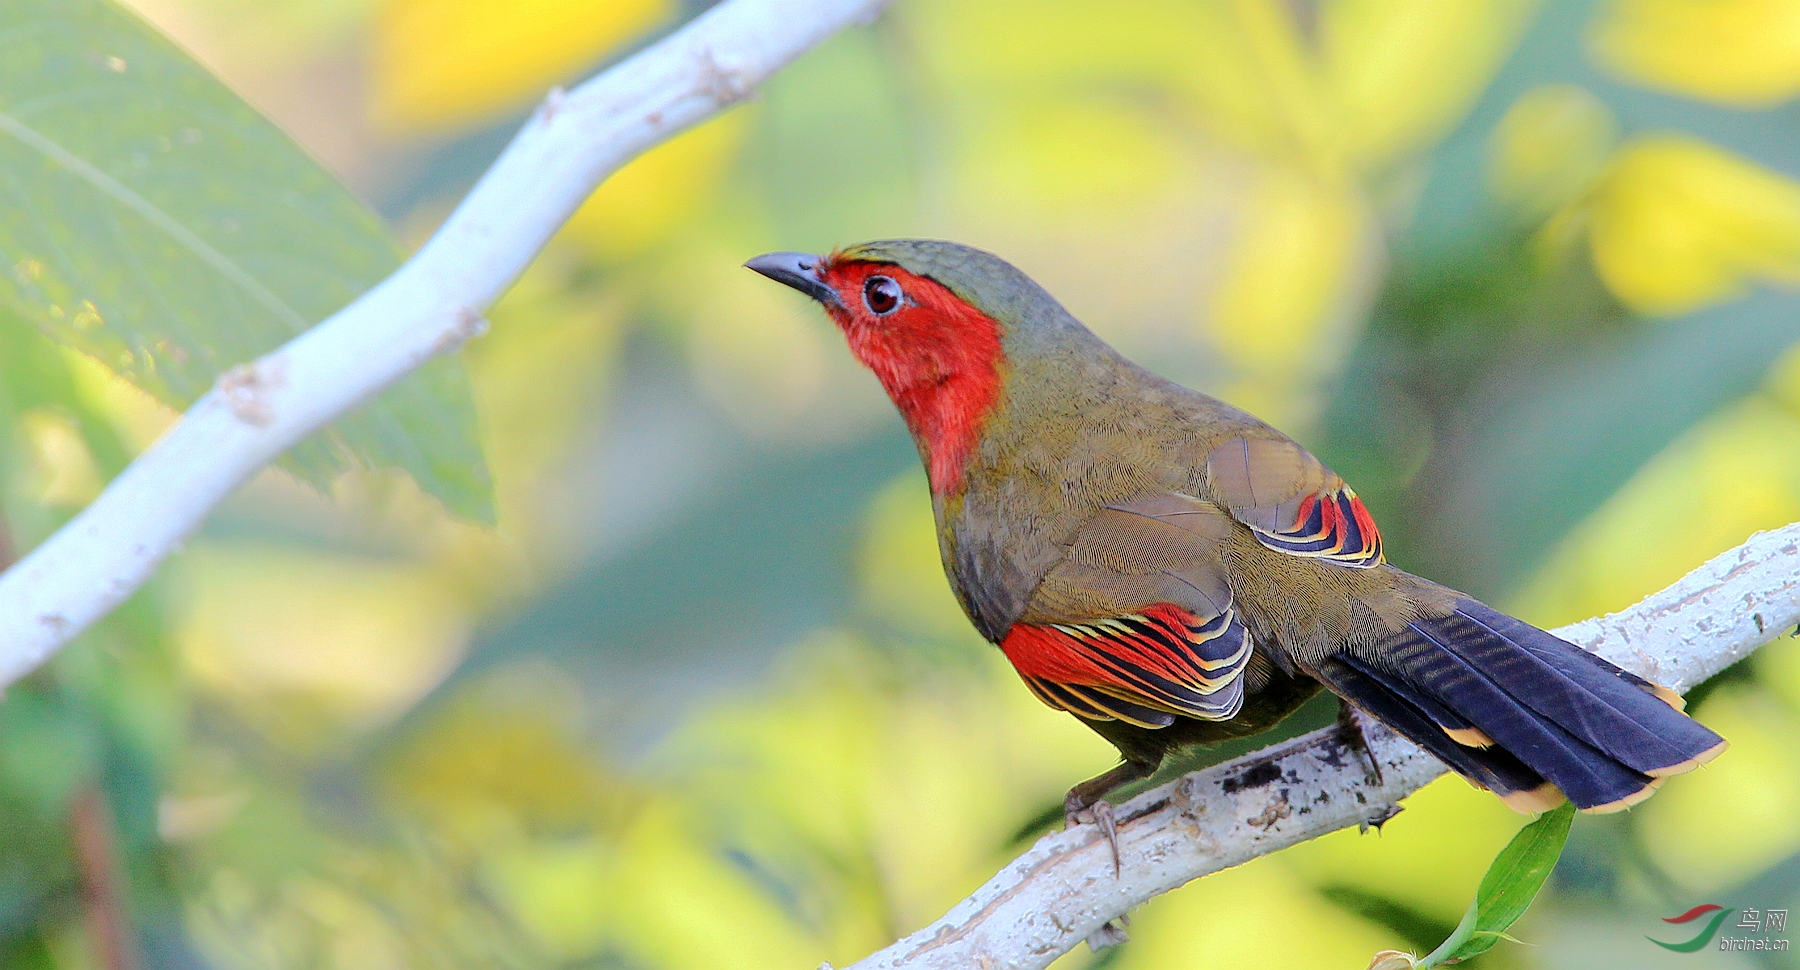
(1098, 813)
(1381, 816)
(1085, 804)
(1351, 728)
(1112, 934)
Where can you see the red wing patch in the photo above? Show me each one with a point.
(1145, 668)
(1329, 525)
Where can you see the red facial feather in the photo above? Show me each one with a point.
(938, 358)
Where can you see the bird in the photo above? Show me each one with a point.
(1175, 572)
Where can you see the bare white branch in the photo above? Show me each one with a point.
(430, 306)
(1063, 889)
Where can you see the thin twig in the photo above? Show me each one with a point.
(1063, 889)
(103, 888)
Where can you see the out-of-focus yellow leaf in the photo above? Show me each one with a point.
(239, 34)
(1263, 917)
(1748, 812)
(62, 470)
(1778, 670)
(540, 378)
(902, 574)
(1549, 147)
(1784, 380)
(773, 363)
(1429, 858)
(880, 791)
(1018, 46)
(818, 717)
(682, 902)
(1729, 477)
(1357, 83)
(1258, 84)
(1082, 157)
(1736, 52)
(654, 195)
(556, 889)
(353, 640)
(1677, 223)
(445, 64)
(1297, 241)
(1400, 74)
(503, 759)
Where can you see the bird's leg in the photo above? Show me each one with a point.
(1086, 804)
(1350, 727)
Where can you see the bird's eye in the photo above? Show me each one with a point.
(882, 295)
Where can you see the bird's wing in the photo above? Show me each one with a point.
(1136, 622)
(1292, 502)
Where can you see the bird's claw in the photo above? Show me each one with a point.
(1378, 818)
(1350, 726)
(1100, 813)
(1111, 934)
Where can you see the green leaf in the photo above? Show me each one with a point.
(156, 222)
(1508, 888)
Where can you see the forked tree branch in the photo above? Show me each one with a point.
(1064, 889)
(430, 306)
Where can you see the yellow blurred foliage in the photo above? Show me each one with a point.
(1399, 75)
(1257, 915)
(678, 901)
(1747, 812)
(61, 471)
(880, 796)
(540, 377)
(501, 761)
(1704, 494)
(1296, 244)
(1330, 105)
(1068, 112)
(1359, 87)
(1744, 53)
(350, 641)
(1086, 159)
(1677, 223)
(256, 35)
(763, 359)
(442, 65)
(1778, 668)
(1549, 148)
(1429, 858)
(1009, 47)
(656, 194)
(1784, 380)
(902, 574)
(1258, 86)
(555, 887)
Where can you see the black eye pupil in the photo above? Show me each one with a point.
(881, 294)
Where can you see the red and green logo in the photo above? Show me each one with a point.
(1706, 933)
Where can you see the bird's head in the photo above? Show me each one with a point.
(939, 324)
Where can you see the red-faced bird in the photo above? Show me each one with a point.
(1173, 571)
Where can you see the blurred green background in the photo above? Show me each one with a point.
(1524, 273)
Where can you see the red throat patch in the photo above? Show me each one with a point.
(937, 357)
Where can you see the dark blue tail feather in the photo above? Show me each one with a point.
(1552, 712)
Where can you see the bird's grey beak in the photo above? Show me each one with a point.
(798, 270)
